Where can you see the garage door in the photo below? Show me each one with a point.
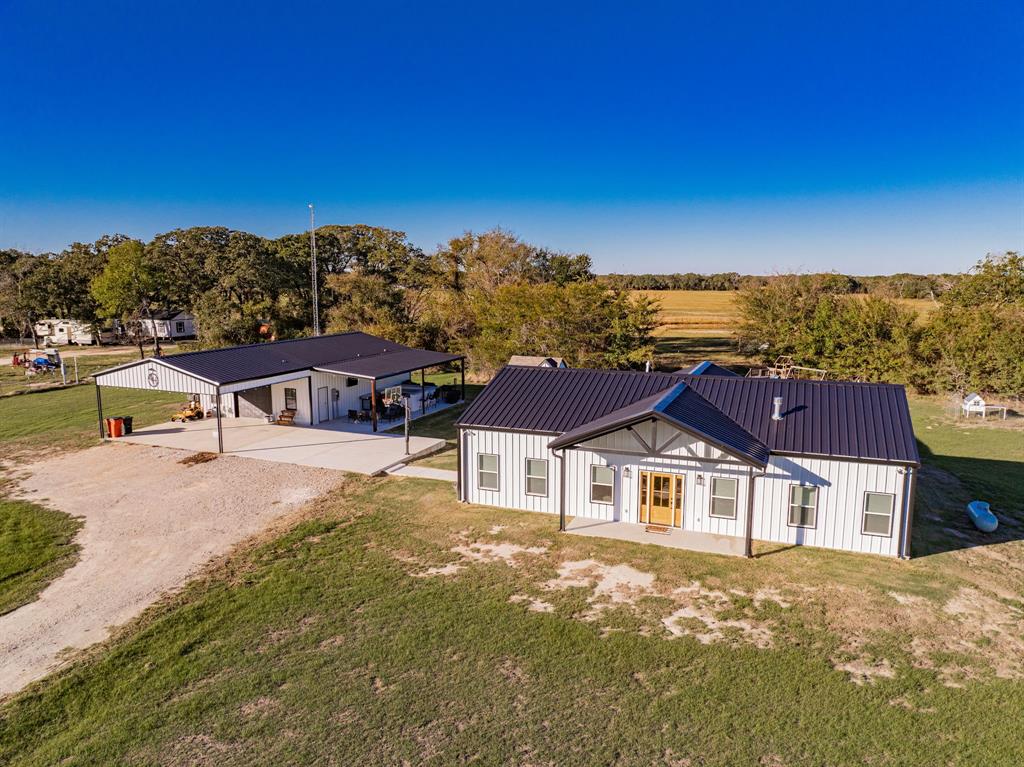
(255, 403)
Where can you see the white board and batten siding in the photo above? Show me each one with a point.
(841, 484)
(512, 449)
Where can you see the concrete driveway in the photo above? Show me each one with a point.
(321, 447)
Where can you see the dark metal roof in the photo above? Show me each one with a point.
(392, 363)
(684, 408)
(355, 353)
(827, 418)
(709, 368)
(824, 418)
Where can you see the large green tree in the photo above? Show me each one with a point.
(128, 289)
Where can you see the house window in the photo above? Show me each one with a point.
(536, 476)
(803, 506)
(487, 471)
(723, 498)
(878, 514)
(179, 328)
(350, 382)
(602, 484)
(291, 399)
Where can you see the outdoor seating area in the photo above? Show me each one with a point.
(422, 400)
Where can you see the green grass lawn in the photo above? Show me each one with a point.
(323, 647)
(36, 542)
(35, 547)
(66, 418)
(335, 643)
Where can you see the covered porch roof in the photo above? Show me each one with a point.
(683, 408)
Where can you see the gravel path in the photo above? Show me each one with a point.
(150, 523)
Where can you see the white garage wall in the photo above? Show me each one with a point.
(303, 413)
(155, 376)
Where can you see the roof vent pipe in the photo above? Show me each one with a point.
(776, 408)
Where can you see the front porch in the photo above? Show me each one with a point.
(674, 538)
(364, 425)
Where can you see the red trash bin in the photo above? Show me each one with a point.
(115, 427)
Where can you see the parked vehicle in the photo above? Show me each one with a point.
(60, 332)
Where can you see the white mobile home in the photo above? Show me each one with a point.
(818, 463)
(170, 324)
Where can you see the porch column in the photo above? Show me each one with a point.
(423, 391)
(220, 431)
(99, 412)
(373, 402)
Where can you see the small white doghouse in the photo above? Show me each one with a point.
(975, 403)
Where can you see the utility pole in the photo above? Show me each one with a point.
(316, 291)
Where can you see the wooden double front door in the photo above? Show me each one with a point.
(661, 499)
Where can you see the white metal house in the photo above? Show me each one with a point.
(819, 463)
(315, 380)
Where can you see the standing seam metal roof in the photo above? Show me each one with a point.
(354, 353)
(683, 407)
(822, 418)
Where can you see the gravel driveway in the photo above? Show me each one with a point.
(150, 523)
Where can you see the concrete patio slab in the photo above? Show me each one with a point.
(326, 448)
(675, 539)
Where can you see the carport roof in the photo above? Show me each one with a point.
(355, 353)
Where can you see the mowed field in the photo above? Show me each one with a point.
(699, 324)
(389, 624)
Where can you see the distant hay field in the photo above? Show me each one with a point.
(714, 312)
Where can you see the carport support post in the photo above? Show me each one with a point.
(423, 390)
(220, 431)
(462, 368)
(99, 411)
(373, 402)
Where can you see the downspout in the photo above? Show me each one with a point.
(459, 495)
(560, 455)
(909, 518)
(748, 537)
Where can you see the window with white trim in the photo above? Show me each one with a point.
(803, 506)
(487, 471)
(878, 509)
(602, 484)
(723, 498)
(536, 476)
(179, 328)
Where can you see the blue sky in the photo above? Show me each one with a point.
(864, 137)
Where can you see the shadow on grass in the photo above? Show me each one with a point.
(947, 484)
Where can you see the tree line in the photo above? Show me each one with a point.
(904, 285)
(973, 340)
(488, 295)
